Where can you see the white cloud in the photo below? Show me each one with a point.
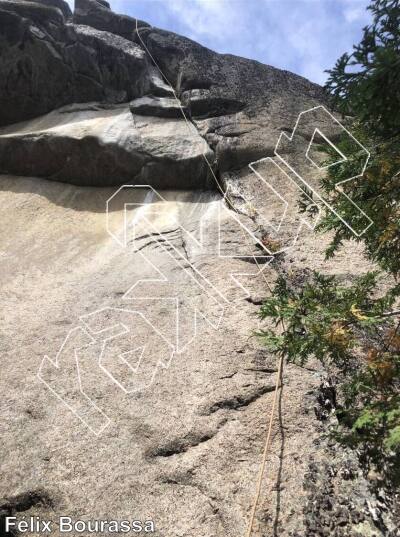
(352, 14)
(218, 19)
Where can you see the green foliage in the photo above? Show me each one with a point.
(377, 193)
(366, 83)
(345, 327)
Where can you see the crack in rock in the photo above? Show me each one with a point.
(182, 445)
(239, 401)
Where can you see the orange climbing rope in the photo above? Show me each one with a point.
(278, 386)
(266, 450)
(280, 363)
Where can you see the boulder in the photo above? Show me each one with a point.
(97, 13)
(47, 63)
(93, 145)
(158, 86)
(121, 64)
(37, 12)
(59, 4)
(221, 89)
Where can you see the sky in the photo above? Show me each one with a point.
(302, 36)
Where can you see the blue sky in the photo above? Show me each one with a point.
(303, 36)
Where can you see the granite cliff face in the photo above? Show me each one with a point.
(235, 108)
(92, 100)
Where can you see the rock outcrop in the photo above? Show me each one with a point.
(238, 106)
(47, 62)
(60, 4)
(92, 145)
(96, 99)
(97, 14)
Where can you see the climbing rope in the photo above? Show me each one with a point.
(266, 450)
(278, 386)
(280, 363)
(189, 123)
